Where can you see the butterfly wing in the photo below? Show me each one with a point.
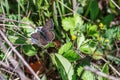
(49, 24)
(43, 35)
(48, 34)
(38, 39)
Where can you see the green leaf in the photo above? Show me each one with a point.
(28, 31)
(94, 10)
(7, 6)
(65, 48)
(2, 56)
(71, 55)
(29, 50)
(64, 66)
(17, 39)
(107, 19)
(27, 28)
(98, 54)
(89, 47)
(92, 30)
(79, 70)
(80, 40)
(78, 20)
(112, 5)
(1, 10)
(87, 75)
(67, 51)
(71, 23)
(113, 58)
(85, 61)
(83, 2)
(105, 69)
(68, 23)
(44, 77)
(111, 33)
(34, 1)
(80, 10)
(118, 33)
(86, 49)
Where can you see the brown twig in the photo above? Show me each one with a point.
(5, 65)
(10, 20)
(18, 54)
(100, 73)
(74, 6)
(13, 62)
(115, 4)
(111, 67)
(103, 74)
(118, 50)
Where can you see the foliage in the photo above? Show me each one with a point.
(87, 33)
(65, 67)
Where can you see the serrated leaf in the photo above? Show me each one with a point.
(29, 50)
(64, 66)
(71, 55)
(80, 40)
(89, 47)
(85, 49)
(111, 33)
(98, 54)
(78, 20)
(28, 21)
(65, 48)
(92, 30)
(87, 75)
(68, 23)
(71, 23)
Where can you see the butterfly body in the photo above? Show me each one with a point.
(43, 35)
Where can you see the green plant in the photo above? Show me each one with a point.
(87, 32)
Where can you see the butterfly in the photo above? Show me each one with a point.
(43, 35)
